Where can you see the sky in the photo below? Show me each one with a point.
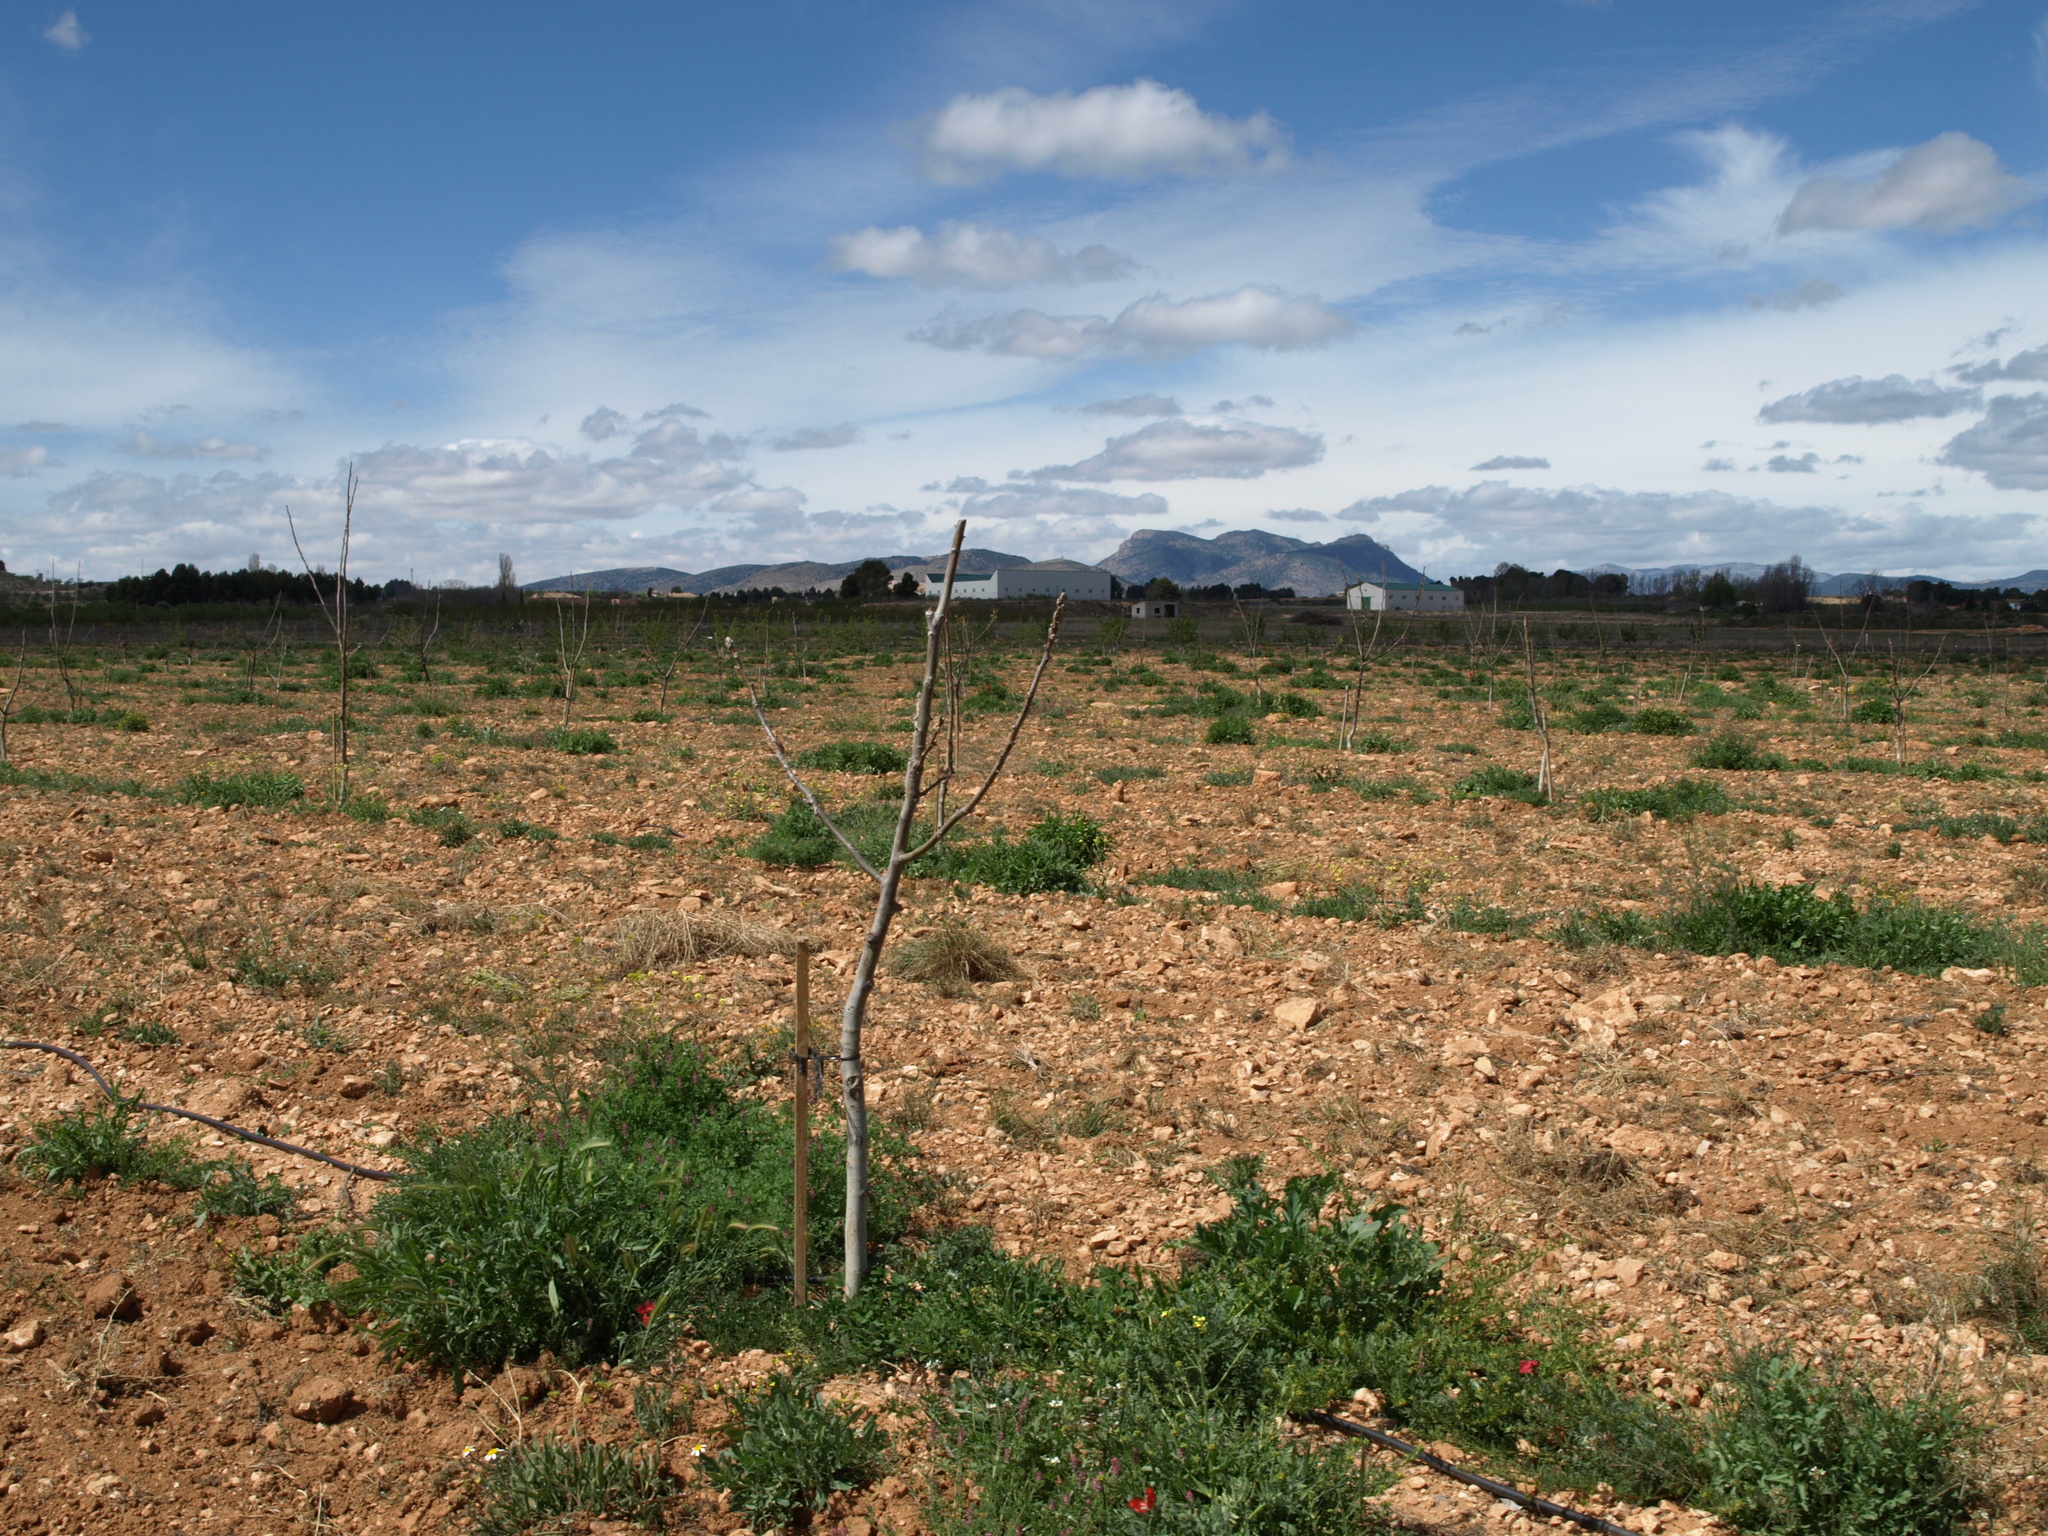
(1563, 282)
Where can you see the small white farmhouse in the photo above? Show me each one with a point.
(1042, 578)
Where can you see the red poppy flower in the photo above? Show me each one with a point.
(1527, 1367)
(1146, 1505)
(646, 1311)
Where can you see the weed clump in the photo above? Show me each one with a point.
(869, 757)
(1680, 800)
(546, 1484)
(1736, 754)
(1127, 775)
(450, 827)
(104, 1141)
(272, 791)
(1231, 731)
(1663, 722)
(582, 741)
(1493, 782)
(1815, 1451)
(954, 956)
(1054, 855)
(794, 1451)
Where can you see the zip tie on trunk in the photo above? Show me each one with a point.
(1498, 1489)
(356, 1170)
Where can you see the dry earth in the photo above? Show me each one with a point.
(1710, 1151)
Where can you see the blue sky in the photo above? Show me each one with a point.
(628, 284)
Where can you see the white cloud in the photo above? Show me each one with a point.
(520, 482)
(1512, 461)
(1859, 400)
(970, 256)
(22, 462)
(1239, 407)
(2030, 365)
(845, 435)
(1951, 182)
(2009, 447)
(1805, 464)
(1251, 316)
(1010, 503)
(1814, 293)
(139, 444)
(602, 423)
(756, 502)
(1178, 449)
(66, 33)
(1122, 132)
(1134, 405)
(1718, 466)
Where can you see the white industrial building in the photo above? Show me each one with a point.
(1042, 578)
(1420, 596)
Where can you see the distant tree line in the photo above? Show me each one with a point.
(183, 584)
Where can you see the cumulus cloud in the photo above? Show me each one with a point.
(970, 256)
(1951, 182)
(1061, 502)
(141, 445)
(23, 462)
(763, 503)
(1856, 399)
(1513, 461)
(2009, 447)
(1814, 293)
(521, 482)
(1252, 316)
(1121, 132)
(66, 33)
(2031, 365)
(1134, 405)
(1783, 464)
(1718, 466)
(845, 435)
(1178, 449)
(602, 423)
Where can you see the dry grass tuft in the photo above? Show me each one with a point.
(650, 940)
(1583, 1185)
(956, 955)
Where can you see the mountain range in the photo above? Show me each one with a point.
(1236, 558)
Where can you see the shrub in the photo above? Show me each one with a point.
(1377, 743)
(270, 790)
(1054, 855)
(1517, 715)
(1231, 731)
(1680, 800)
(547, 1484)
(794, 1451)
(129, 720)
(799, 839)
(1872, 712)
(1596, 718)
(512, 827)
(870, 757)
(1663, 722)
(1815, 1451)
(582, 741)
(1493, 782)
(367, 807)
(1735, 753)
(102, 1141)
(1297, 706)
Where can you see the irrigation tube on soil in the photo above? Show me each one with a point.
(1499, 1490)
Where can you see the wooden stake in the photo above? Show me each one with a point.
(801, 1244)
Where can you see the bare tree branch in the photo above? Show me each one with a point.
(775, 746)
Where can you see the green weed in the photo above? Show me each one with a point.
(1680, 800)
(1494, 782)
(582, 741)
(273, 791)
(1735, 754)
(1231, 731)
(450, 827)
(547, 1485)
(105, 1140)
(868, 757)
(794, 1451)
(1663, 722)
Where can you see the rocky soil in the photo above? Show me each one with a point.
(1712, 1151)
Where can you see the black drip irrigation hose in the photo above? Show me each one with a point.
(353, 1170)
(1499, 1490)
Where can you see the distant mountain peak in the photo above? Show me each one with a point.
(1254, 555)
